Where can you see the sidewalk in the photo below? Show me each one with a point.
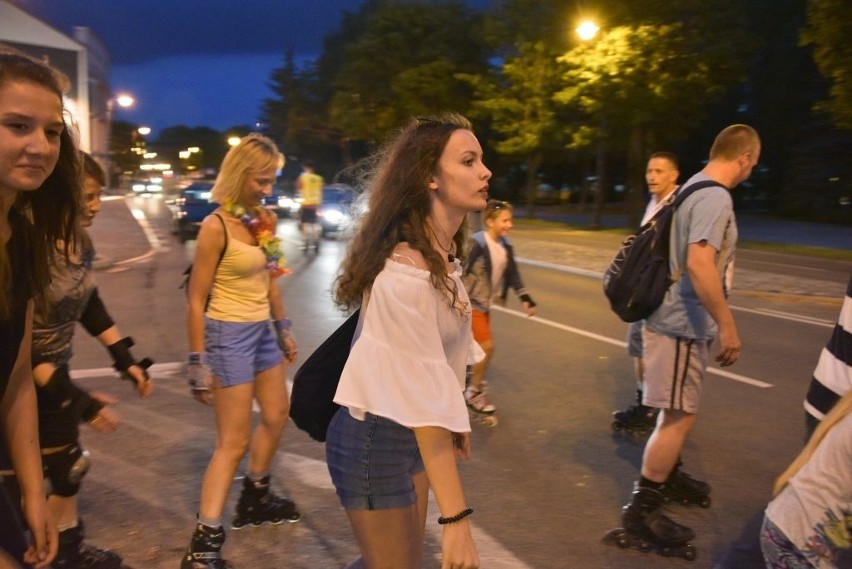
(752, 228)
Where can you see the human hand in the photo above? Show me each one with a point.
(107, 420)
(461, 445)
(45, 535)
(457, 548)
(729, 346)
(287, 343)
(141, 379)
(200, 382)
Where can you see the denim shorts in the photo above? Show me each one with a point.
(237, 351)
(372, 462)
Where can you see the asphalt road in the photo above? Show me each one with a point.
(546, 483)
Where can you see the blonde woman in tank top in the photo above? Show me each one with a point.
(239, 341)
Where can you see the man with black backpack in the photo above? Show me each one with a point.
(678, 334)
(661, 175)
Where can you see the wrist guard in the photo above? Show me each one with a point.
(121, 356)
(198, 374)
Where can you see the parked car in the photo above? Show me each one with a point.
(336, 213)
(191, 206)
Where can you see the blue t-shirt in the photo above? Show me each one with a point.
(706, 215)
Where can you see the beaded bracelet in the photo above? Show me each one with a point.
(457, 518)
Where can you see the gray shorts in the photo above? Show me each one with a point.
(634, 339)
(674, 370)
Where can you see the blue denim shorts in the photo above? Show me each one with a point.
(237, 351)
(372, 462)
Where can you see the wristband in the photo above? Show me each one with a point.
(457, 518)
(196, 358)
(283, 325)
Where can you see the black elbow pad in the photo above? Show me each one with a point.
(95, 318)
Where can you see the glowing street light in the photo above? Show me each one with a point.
(144, 130)
(124, 101)
(587, 30)
(233, 140)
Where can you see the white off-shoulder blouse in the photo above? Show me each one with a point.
(408, 364)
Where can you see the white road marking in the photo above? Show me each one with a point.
(623, 344)
(308, 471)
(598, 275)
(787, 316)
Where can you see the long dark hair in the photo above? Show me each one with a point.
(51, 211)
(398, 209)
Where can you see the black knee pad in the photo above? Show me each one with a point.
(65, 470)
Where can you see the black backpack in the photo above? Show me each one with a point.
(638, 277)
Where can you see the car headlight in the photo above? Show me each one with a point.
(138, 187)
(333, 216)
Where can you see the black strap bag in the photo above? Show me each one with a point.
(312, 403)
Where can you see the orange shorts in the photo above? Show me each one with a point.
(481, 324)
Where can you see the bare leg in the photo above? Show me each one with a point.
(666, 443)
(392, 539)
(233, 427)
(270, 389)
(478, 375)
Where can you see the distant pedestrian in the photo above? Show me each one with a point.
(72, 297)
(309, 187)
(403, 422)
(678, 335)
(661, 176)
(39, 193)
(832, 377)
(808, 522)
(490, 271)
(236, 351)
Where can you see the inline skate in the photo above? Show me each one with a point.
(480, 408)
(258, 506)
(681, 488)
(647, 528)
(205, 549)
(74, 553)
(636, 420)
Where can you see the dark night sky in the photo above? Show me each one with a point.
(198, 62)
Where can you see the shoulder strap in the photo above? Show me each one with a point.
(225, 248)
(687, 191)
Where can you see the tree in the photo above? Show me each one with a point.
(518, 101)
(641, 84)
(829, 31)
(403, 63)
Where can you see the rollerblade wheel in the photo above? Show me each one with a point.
(705, 503)
(616, 426)
(690, 553)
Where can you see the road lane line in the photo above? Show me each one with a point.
(150, 234)
(787, 316)
(598, 275)
(622, 344)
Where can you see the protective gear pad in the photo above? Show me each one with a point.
(199, 377)
(121, 356)
(65, 470)
(95, 318)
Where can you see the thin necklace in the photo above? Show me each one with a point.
(448, 250)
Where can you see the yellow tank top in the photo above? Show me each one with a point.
(241, 286)
(311, 188)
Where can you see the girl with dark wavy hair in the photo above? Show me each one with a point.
(403, 418)
(39, 193)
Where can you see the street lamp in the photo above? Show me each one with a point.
(587, 31)
(124, 101)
